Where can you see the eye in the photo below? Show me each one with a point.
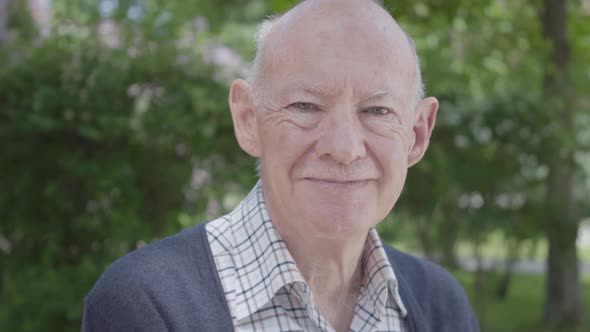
(378, 110)
(303, 107)
(303, 114)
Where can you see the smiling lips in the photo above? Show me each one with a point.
(339, 182)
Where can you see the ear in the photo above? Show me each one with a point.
(244, 117)
(425, 119)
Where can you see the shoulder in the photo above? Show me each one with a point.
(175, 254)
(431, 288)
(420, 271)
(154, 286)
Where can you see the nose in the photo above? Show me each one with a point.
(341, 138)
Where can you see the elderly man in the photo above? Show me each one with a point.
(335, 111)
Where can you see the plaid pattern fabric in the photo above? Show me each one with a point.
(265, 290)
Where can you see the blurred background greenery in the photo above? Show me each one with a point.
(115, 132)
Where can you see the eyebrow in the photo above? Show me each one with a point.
(322, 92)
(312, 89)
(379, 94)
(382, 94)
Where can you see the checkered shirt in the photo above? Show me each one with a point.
(265, 290)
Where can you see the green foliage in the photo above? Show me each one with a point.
(488, 163)
(100, 145)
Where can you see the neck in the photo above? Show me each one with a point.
(333, 270)
(337, 268)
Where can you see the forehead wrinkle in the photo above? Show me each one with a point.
(318, 89)
(313, 87)
(379, 95)
(382, 96)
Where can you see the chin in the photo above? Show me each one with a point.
(332, 224)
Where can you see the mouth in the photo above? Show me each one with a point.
(339, 182)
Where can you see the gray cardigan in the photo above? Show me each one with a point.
(172, 285)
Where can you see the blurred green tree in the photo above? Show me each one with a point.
(505, 152)
(113, 126)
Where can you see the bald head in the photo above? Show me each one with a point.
(345, 26)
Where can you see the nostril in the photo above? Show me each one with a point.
(341, 139)
(343, 152)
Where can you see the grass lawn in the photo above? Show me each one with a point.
(523, 307)
(495, 248)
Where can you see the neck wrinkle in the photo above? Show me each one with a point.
(328, 266)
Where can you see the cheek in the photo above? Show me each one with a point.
(284, 144)
(391, 152)
(397, 168)
(392, 158)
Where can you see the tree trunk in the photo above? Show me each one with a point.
(563, 303)
(479, 285)
(563, 306)
(423, 231)
(512, 253)
(448, 233)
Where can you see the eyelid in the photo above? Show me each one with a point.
(388, 109)
(312, 106)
